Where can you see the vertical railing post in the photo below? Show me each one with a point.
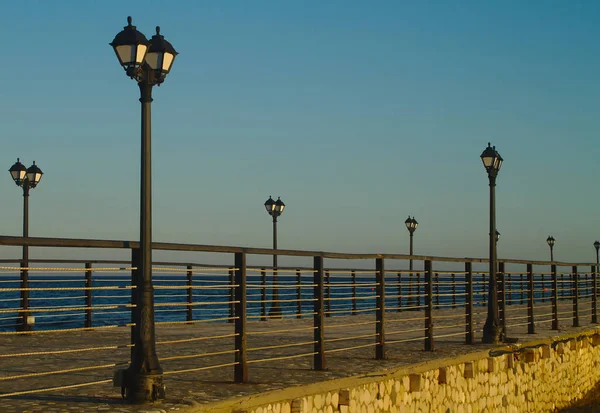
(509, 288)
(190, 294)
(399, 291)
(562, 284)
(327, 294)
(469, 329)
(575, 297)
(453, 281)
(437, 290)
(594, 294)
(319, 361)
(263, 294)
(298, 293)
(240, 371)
(353, 276)
(88, 294)
(501, 278)
(231, 295)
(530, 299)
(429, 345)
(418, 277)
(554, 297)
(380, 309)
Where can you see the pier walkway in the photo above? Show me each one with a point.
(188, 391)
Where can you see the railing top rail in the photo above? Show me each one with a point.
(114, 244)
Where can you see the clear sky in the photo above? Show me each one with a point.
(356, 113)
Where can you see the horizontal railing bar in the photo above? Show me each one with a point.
(114, 244)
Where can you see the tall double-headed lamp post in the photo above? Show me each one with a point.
(411, 226)
(492, 330)
(275, 209)
(148, 63)
(550, 240)
(26, 178)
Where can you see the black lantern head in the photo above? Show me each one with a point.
(492, 161)
(34, 175)
(279, 206)
(270, 205)
(497, 236)
(597, 245)
(160, 57)
(411, 224)
(130, 47)
(550, 240)
(18, 172)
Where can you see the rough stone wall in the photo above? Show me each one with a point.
(543, 378)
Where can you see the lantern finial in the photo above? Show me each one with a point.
(129, 20)
(157, 29)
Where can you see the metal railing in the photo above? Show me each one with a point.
(89, 307)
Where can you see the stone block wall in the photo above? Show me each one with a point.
(543, 377)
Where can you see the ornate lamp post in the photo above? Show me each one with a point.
(597, 246)
(411, 226)
(275, 209)
(550, 240)
(26, 178)
(148, 63)
(492, 330)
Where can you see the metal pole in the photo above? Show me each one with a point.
(411, 299)
(145, 380)
(275, 310)
(492, 331)
(25, 326)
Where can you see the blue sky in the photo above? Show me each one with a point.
(356, 113)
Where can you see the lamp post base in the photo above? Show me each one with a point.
(27, 322)
(275, 311)
(492, 333)
(142, 387)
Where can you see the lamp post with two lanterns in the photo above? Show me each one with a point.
(148, 63)
(26, 178)
(550, 240)
(275, 209)
(411, 226)
(492, 330)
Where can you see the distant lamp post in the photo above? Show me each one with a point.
(148, 63)
(597, 246)
(550, 240)
(497, 236)
(26, 178)
(411, 226)
(275, 209)
(492, 330)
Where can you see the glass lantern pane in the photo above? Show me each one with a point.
(141, 53)
(18, 175)
(487, 161)
(167, 62)
(153, 60)
(126, 53)
(281, 207)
